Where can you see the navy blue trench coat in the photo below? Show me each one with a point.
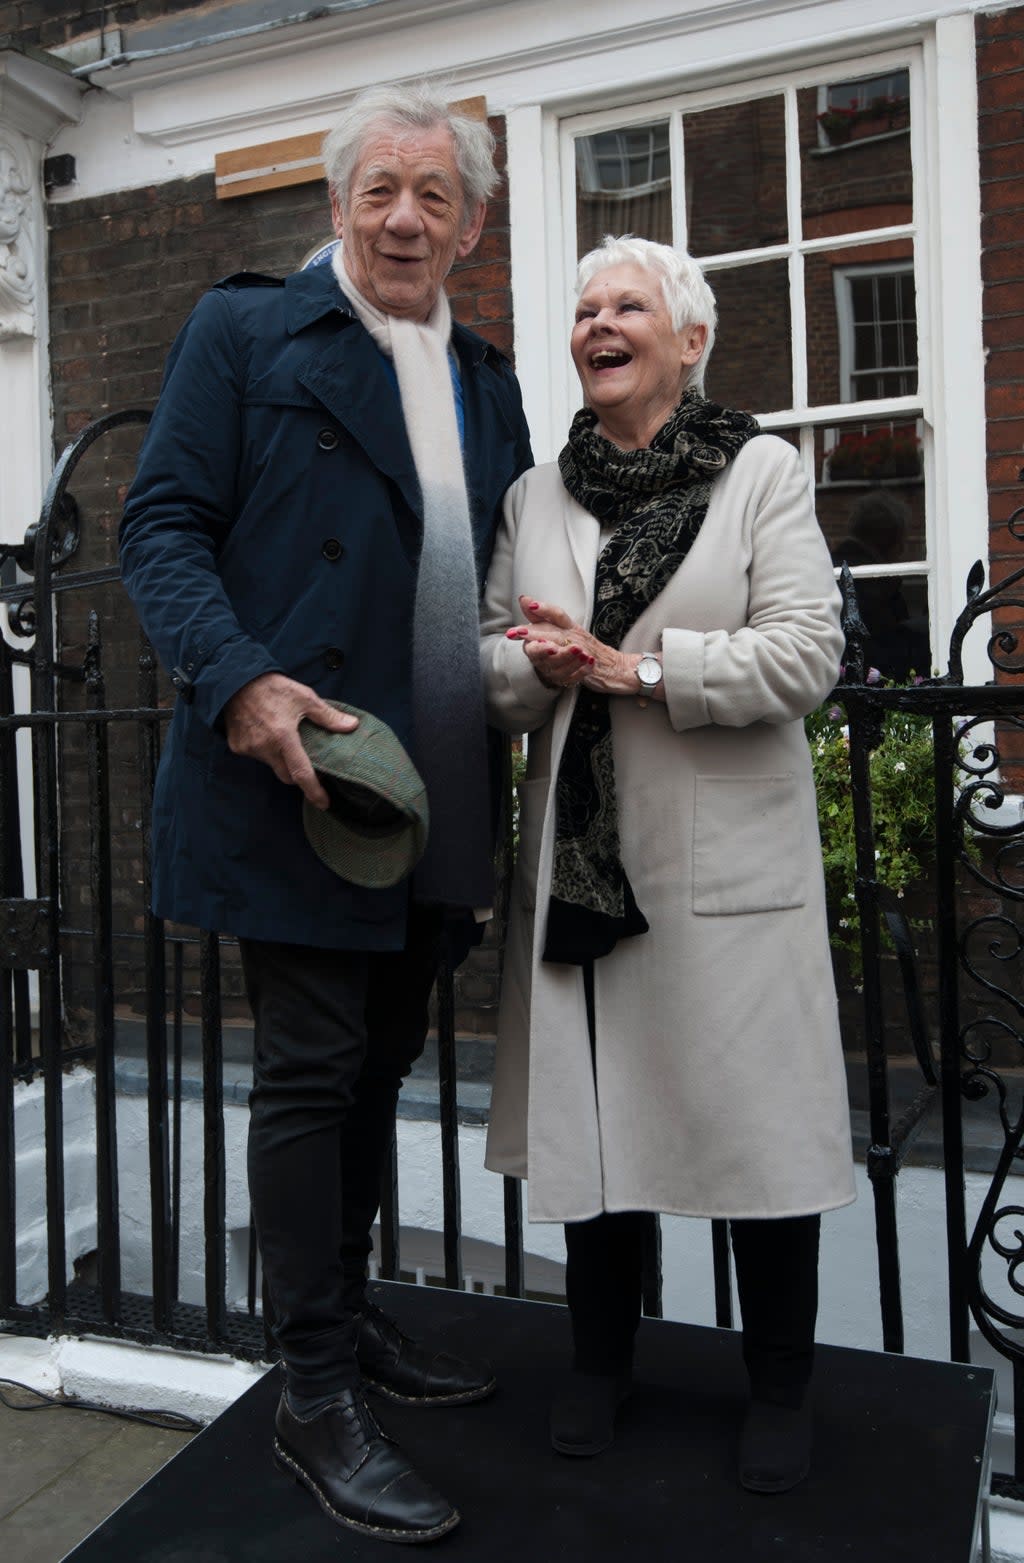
(273, 526)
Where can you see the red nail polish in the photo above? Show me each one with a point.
(533, 606)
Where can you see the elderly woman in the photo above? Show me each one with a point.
(659, 616)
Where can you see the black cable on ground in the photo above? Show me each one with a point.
(172, 1421)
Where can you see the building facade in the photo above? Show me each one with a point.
(850, 174)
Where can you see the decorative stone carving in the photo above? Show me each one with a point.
(17, 252)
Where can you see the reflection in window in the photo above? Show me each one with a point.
(869, 106)
(867, 186)
(871, 508)
(877, 332)
(752, 365)
(736, 176)
(861, 323)
(623, 184)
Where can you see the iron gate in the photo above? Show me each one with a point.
(82, 707)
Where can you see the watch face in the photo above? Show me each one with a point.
(648, 671)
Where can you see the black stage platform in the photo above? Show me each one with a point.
(899, 1468)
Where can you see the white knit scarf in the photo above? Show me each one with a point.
(448, 715)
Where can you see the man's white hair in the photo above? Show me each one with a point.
(688, 299)
(414, 106)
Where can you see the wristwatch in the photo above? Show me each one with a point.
(649, 675)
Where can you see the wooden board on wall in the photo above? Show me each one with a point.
(294, 160)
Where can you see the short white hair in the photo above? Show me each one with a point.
(688, 299)
(414, 106)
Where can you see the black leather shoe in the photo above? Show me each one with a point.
(584, 1410)
(775, 1446)
(402, 1369)
(357, 1474)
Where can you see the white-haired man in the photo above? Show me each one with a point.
(312, 515)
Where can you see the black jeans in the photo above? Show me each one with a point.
(776, 1276)
(336, 1033)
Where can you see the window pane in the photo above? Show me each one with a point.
(735, 176)
(870, 499)
(623, 184)
(861, 323)
(855, 154)
(751, 365)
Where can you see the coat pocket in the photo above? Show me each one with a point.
(748, 855)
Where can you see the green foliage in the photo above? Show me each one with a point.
(902, 798)
(518, 776)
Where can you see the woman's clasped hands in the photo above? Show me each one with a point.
(563, 653)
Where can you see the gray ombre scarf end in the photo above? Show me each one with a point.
(450, 747)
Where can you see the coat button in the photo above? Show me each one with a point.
(332, 549)
(327, 439)
(334, 658)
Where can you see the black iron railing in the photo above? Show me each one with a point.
(92, 719)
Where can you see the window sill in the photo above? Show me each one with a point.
(857, 141)
(915, 478)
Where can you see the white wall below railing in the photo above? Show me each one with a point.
(200, 1386)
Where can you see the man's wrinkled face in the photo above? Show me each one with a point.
(404, 222)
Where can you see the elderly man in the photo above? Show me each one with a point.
(313, 510)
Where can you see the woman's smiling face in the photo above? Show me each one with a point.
(630, 359)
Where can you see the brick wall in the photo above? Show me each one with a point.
(125, 270)
(1000, 41)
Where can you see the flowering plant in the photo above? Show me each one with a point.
(887, 111)
(881, 453)
(901, 803)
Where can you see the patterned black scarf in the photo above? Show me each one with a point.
(657, 499)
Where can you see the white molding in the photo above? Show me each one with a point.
(19, 217)
(522, 50)
(957, 377)
(531, 272)
(560, 35)
(37, 97)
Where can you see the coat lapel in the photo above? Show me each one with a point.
(584, 532)
(349, 379)
(347, 376)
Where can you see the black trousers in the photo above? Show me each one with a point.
(776, 1276)
(336, 1033)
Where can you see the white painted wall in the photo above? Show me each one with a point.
(79, 1097)
(849, 1313)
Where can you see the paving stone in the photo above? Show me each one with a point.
(63, 1472)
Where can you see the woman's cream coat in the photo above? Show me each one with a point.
(720, 1088)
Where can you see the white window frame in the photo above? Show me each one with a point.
(944, 146)
(841, 277)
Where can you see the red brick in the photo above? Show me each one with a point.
(1002, 505)
(1006, 469)
(1003, 401)
(495, 306)
(1003, 331)
(1000, 265)
(999, 228)
(1000, 55)
(1000, 24)
(1003, 125)
(1003, 298)
(1006, 363)
(1001, 91)
(1007, 434)
(1002, 162)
